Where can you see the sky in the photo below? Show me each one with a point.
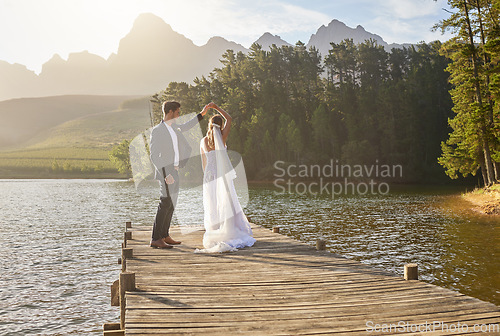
(32, 31)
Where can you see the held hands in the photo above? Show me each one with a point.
(205, 109)
(209, 106)
(169, 179)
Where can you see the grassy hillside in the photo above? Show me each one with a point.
(24, 118)
(73, 140)
(100, 130)
(56, 163)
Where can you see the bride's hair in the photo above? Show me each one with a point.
(216, 119)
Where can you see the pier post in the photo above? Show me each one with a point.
(127, 235)
(128, 225)
(276, 229)
(320, 245)
(127, 284)
(411, 272)
(127, 253)
(115, 293)
(112, 329)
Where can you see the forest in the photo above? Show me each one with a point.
(431, 108)
(357, 105)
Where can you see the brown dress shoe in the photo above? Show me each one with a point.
(160, 244)
(169, 240)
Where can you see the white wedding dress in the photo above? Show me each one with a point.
(226, 226)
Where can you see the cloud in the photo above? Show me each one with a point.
(407, 21)
(244, 22)
(410, 9)
(405, 31)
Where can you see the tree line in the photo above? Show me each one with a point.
(359, 105)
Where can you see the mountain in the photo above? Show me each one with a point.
(148, 58)
(17, 81)
(151, 56)
(76, 75)
(267, 40)
(337, 31)
(211, 53)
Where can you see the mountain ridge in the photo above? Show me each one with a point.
(337, 31)
(148, 58)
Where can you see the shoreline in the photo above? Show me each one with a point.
(485, 200)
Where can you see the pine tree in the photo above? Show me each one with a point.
(474, 137)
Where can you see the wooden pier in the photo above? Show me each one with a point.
(281, 287)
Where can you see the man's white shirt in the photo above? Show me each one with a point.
(175, 143)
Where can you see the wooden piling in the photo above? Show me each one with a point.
(111, 326)
(115, 293)
(411, 272)
(276, 229)
(127, 235)
(128, 225)
(127, 284)
(320, 245)
(127, 253)
(112, 329)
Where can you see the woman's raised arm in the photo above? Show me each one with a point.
(227, 126)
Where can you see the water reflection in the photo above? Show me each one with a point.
(58, 249)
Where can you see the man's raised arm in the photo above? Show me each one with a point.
(190, 124)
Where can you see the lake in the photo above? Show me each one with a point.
(61, 240)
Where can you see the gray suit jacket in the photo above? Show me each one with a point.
(162, 148)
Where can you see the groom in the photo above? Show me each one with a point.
(169, 152)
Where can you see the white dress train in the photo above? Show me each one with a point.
(226, 227)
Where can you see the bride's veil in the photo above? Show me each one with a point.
(226, 226)
(228, 204)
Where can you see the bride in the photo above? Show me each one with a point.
(226, 226)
